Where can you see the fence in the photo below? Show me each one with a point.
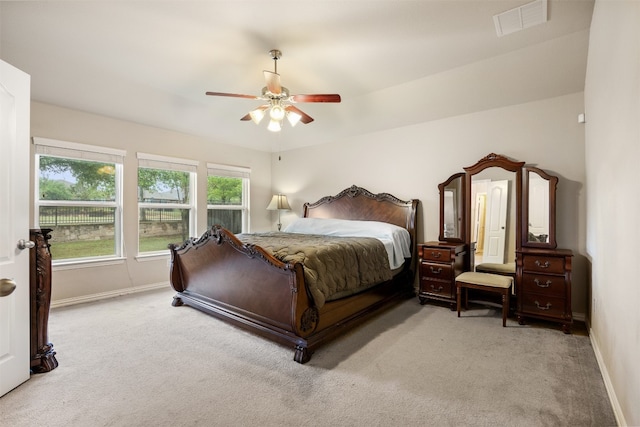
(75, 215)
(80, 215)
(229, 219)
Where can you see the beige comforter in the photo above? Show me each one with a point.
(334, 267)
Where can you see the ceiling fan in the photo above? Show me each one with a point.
(279, 100)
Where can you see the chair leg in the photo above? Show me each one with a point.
(505, 307)
(458, 297)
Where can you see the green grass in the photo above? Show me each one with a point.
(95, 248)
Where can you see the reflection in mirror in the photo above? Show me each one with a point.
(497, 211)
(539, 212)
(538, 208)
(452, 208)
(493, 217)
(451, 227)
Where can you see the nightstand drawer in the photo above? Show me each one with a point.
(543, 305)
(429, 270)
(544, 264)
(540, 283)
(436, 287)
(435, 254)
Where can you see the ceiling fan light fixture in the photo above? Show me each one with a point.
(279, 100)
(274, 125)
(293, 118)
(277, 112)
(257, 115)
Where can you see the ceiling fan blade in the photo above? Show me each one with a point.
(234, 95)
(316, 98)
(305, 118)
(273, 82)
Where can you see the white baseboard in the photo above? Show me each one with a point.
(617, 410)
(104, 295)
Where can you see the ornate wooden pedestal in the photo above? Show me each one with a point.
(42, 355)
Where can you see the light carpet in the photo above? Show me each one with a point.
(138, 361)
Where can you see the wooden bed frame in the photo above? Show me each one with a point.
(246, 286)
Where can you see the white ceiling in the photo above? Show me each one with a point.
(395, 63)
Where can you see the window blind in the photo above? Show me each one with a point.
(153, 161)
(74, 150)
(229, 171)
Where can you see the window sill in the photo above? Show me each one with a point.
(86, 263)
(90, 263)
(152, 256)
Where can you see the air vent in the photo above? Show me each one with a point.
(522, 17)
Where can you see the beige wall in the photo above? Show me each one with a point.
(69, 125)
(410, 162)
(612, 100)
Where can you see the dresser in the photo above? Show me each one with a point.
(439, 264)
(544, 285)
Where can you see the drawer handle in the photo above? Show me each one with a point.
(436, 254)
(434, 271)
(547, 307)
(541, 265)
(542, 285)
(440, 288)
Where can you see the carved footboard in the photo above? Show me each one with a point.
(244, 285)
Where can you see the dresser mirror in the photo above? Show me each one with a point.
(493, 215)
(498, 206)
(452, 210)
(493, 209)
(539, 209)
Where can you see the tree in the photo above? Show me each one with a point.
(71, 179)
(54, 190)
(168, 185)
(224, 190)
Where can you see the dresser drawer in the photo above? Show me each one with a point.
(543, 284)
(436, 287)
(543, 305)
(544, 264)
(430, 270)
(437, 255)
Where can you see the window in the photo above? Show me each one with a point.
(228, 197)
(166, 202)
(78, 194)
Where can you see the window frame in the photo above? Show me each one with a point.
(72, 150)
(228, 171)
(153, 161)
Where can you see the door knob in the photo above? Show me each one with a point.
(7, 286)
(25, 244)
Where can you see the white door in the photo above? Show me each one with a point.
(14, 226)
(495, 228)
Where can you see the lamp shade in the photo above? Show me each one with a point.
(279, 202)
(274, 125)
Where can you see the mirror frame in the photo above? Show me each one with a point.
(489, 161)
(553, 184)
(461, 208)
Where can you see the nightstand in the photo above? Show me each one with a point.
(439, 264)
